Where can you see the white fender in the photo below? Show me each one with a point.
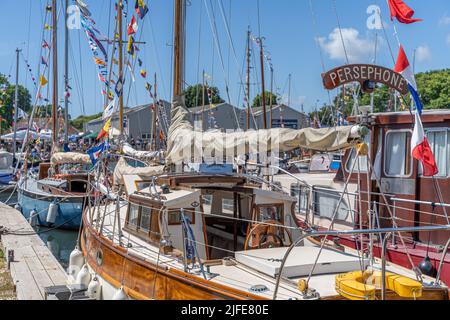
(33, 219)
(94, 289)
(84, 277)
(120, 295)
(52, 213)
(76, 262)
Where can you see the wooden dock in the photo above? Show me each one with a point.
(34, 266)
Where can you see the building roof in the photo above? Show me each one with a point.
(199, 109)
(128, 111)
(257, 111)
(46, 123)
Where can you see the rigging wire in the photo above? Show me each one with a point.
(212, 21)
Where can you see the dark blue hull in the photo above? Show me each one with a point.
(5, 179)
(69, 210)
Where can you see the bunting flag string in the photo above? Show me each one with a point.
(33, 78)
(141, 8)
(95, 45)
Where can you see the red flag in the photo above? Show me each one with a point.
(402, 12)
(133, 27)
(421, 149)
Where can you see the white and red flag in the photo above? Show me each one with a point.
(402, 12)
(404, 68)
(421, 149)
(133, 27)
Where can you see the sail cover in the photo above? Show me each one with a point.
(147, 155)
(70, 158)
(122, 169)
(185, 144)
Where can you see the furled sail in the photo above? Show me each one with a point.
(186, 144)
(122, 169)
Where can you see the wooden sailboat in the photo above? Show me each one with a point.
(57, 195)
(220, 236)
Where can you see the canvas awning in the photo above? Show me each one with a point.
(21, 135)
(92, 135)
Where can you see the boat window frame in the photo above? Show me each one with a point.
(150, 235)
(257, 207)
(408, 155)
(189, 212)
(447, 146)
(301, 191)
(329, 191)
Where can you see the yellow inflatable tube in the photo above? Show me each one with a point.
(362, 286)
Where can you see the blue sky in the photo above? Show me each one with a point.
(287, 25)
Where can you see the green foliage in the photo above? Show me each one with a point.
(193, 96)
(79, 122)
(434, 89)
(7, 94)
(257, 101)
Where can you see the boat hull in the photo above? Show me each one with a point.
(142, 280)
(69, 213)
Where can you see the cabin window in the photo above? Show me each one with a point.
(144, 223)
(174, 216)
(301, 194)
(397, 154)
(228, 206)
(133, 216)
(439, 141)
(325, 202)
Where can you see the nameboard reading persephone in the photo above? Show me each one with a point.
(364, 73)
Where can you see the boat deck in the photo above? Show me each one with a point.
(243, 276)
(34, 266)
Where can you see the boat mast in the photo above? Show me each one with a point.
(155, 106)
(203, 99)
(16, 104)
(249, 110)
(263, 94)
(55, 74)
(271, 95)
(119, 26)
(179, 42)
(66, 76)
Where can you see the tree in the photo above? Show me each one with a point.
(257, 101)
(434, 89)
(193, 96)
(7, 96)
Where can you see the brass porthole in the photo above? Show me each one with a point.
(99, 257)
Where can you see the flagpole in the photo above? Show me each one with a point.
(16, 104)
(55, 74)
(119, 22)
(155, 106)
(66, 76)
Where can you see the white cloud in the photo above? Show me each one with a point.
(358, 49)
(445, 20)
(423, 53)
